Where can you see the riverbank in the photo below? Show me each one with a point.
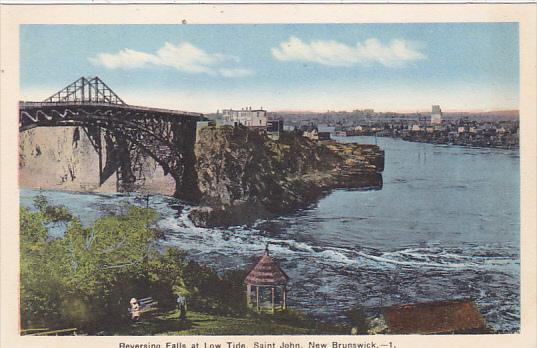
(464, 139)
(464, 142)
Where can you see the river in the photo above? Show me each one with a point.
(445, 225)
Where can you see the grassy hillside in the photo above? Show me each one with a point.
(168, 323)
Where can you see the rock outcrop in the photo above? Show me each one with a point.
(242, 175)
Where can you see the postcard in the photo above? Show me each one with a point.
(268, 176)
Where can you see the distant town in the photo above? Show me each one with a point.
(498, 129)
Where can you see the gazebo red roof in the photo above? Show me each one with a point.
(266, 273)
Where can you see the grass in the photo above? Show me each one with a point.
(168, 324)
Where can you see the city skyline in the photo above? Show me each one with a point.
(307, 67)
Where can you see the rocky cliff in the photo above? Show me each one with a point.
(243, 176)
(63, 158)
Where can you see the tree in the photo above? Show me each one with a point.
(41, 271)
(82, 279)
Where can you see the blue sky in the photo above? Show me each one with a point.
(316, 67)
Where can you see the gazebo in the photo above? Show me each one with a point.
(270, 283)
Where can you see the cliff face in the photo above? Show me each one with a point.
(243, 176)
(63, 158)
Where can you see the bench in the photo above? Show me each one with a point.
(146, 305)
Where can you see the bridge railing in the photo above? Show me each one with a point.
(23, 104)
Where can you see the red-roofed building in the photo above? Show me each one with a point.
(269, 282)
(439, 317)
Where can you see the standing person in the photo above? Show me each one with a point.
(181, 306)
(135, 309)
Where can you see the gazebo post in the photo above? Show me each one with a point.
(272, 291)
(257, 297)
(248, 295)
(284, 297)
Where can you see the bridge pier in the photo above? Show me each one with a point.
(127, 160)
(185, 174)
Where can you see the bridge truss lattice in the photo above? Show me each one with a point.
(86, 90)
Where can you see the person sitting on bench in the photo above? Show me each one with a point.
(135, 309)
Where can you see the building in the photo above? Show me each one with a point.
(436, 115)
(274, 128)
(439, 317)
(270, 284)
(246, 116)
(310, 132)
(414, 128)
(326, 128)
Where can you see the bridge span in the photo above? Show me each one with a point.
(121, 134)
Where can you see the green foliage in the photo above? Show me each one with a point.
(211, 293)
(165, 275)
(41, 202)
(41, 271)
(81, 279)
(33, 232)
(52, 213)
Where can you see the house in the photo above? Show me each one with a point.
(439, 317)
(326, 128)
(310, 132)
(246, 117)
(414, 128)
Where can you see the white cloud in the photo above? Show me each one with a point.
(125, 59)
(184, 57)
(235, 72)
(333, 53)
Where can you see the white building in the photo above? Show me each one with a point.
(436, 115)
(311, 133)
(246, 116)
(414, 128)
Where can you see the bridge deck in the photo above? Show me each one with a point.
(30, 104)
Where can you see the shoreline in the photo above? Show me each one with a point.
(514, 148)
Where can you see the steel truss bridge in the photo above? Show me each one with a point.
(123, 134)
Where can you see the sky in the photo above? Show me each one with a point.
(298, 67)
